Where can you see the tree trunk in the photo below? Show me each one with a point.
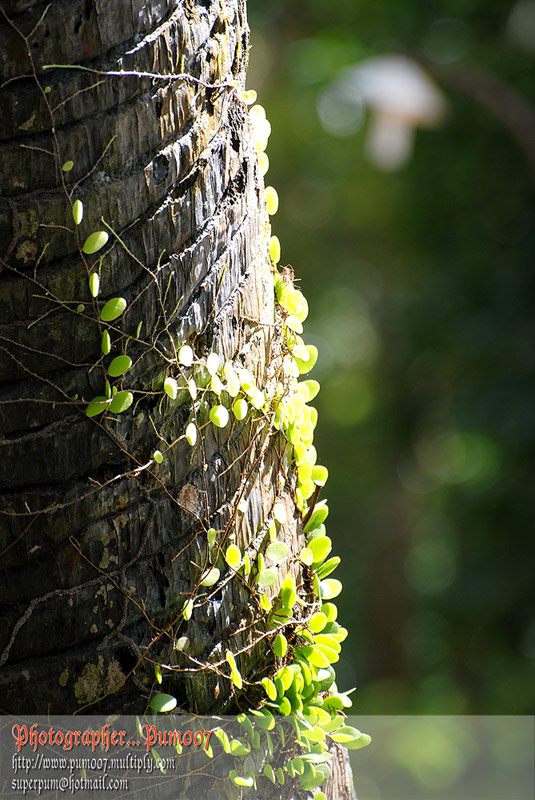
(105, 519)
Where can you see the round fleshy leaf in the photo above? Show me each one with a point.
(266, 578)
(210, 577)
(330, 611)
(272, 200)
(94, 284)
(96, 406)
(312, 386)
(187, 609)
(327, 567)
(219, 416)
(320, 475)
(192, 389)
(321, 546)
(77, 211)
(121, 402)
(106, 343)
(67, 166)
(280, 645)
(191, 433)
(269, 688)
(158, 456)
(212, 363)
(294, 323)
(240, 408)
(233, 556)
(95, 241)
(163, 702)
(263, 162)
(277, 551)
(113, 309)
(233, 381)
(319, 515)
(185, 355)
(170, 387)
(275, 249)
(330, 588)
(119, 366)
(279, 513)
(306, 556)
(317, 622)
(211, 536)
(305, 366)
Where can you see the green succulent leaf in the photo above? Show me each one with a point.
(121, 402)
(94, 284)
(277, 551)
(170, 387)
(163, 702)
(95, 242)
(113, 309)
(119, 366)
(77, 211)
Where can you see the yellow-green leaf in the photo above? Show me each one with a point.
(163, 702)
(119, 366)
(95, 241)
(94, 284)
(113, 309)
(77, 211)
(170, 387)
(121, 402)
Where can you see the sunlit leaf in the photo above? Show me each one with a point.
(317, 622)
(95, 241)
(94, 284)
(280, 645)
(187, 609)
(277, 551)
(106, 343)
(119, 366)
(163, 702)
(77, 211)
(233, 556)
(113, 309)
(269, 688)
(185, 355)
(321, 546)
(272, 200)
(330, 588)
(240, 408)
(191, 433)
(96, 406)
(219, 416)
(121, 402)
(170, 387)
(266, 578)
(210, 577)
(212, 363)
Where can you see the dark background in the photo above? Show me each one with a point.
(420, 285)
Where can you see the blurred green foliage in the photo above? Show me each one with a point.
(420, 284)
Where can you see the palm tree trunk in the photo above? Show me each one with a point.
(105, 519)
(97, 551)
